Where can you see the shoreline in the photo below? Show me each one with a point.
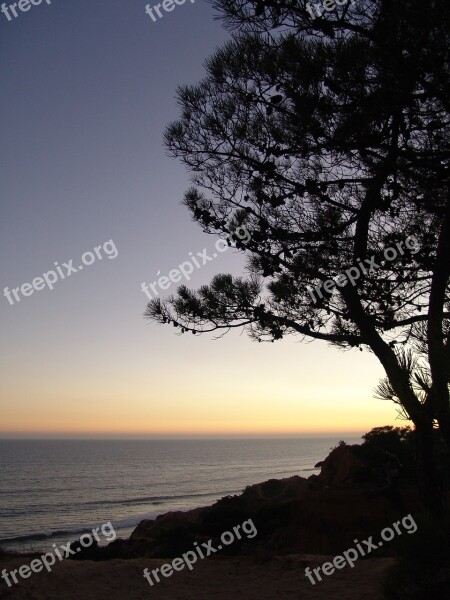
(127, 482)
(299, 526)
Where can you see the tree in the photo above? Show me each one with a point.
(327, 138)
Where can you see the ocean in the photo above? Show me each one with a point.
(53, 490)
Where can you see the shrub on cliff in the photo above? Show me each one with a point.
(422, 571)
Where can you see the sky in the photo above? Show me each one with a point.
(88, 87)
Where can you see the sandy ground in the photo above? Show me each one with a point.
(248, 578)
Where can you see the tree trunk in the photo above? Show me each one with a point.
(432, 492)
(443, 418)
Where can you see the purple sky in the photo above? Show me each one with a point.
(88, 88)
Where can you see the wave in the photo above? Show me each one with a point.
(119, 524)
(157, 500)
(41, 536)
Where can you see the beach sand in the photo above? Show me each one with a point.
(223, 578)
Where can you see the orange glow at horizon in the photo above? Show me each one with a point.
(191, 387)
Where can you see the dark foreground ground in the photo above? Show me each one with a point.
(246, 578)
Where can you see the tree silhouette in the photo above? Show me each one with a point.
(327, 138)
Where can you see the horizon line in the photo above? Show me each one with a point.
(193, 436)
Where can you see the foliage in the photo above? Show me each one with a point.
(328, 139)
(422, 571)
